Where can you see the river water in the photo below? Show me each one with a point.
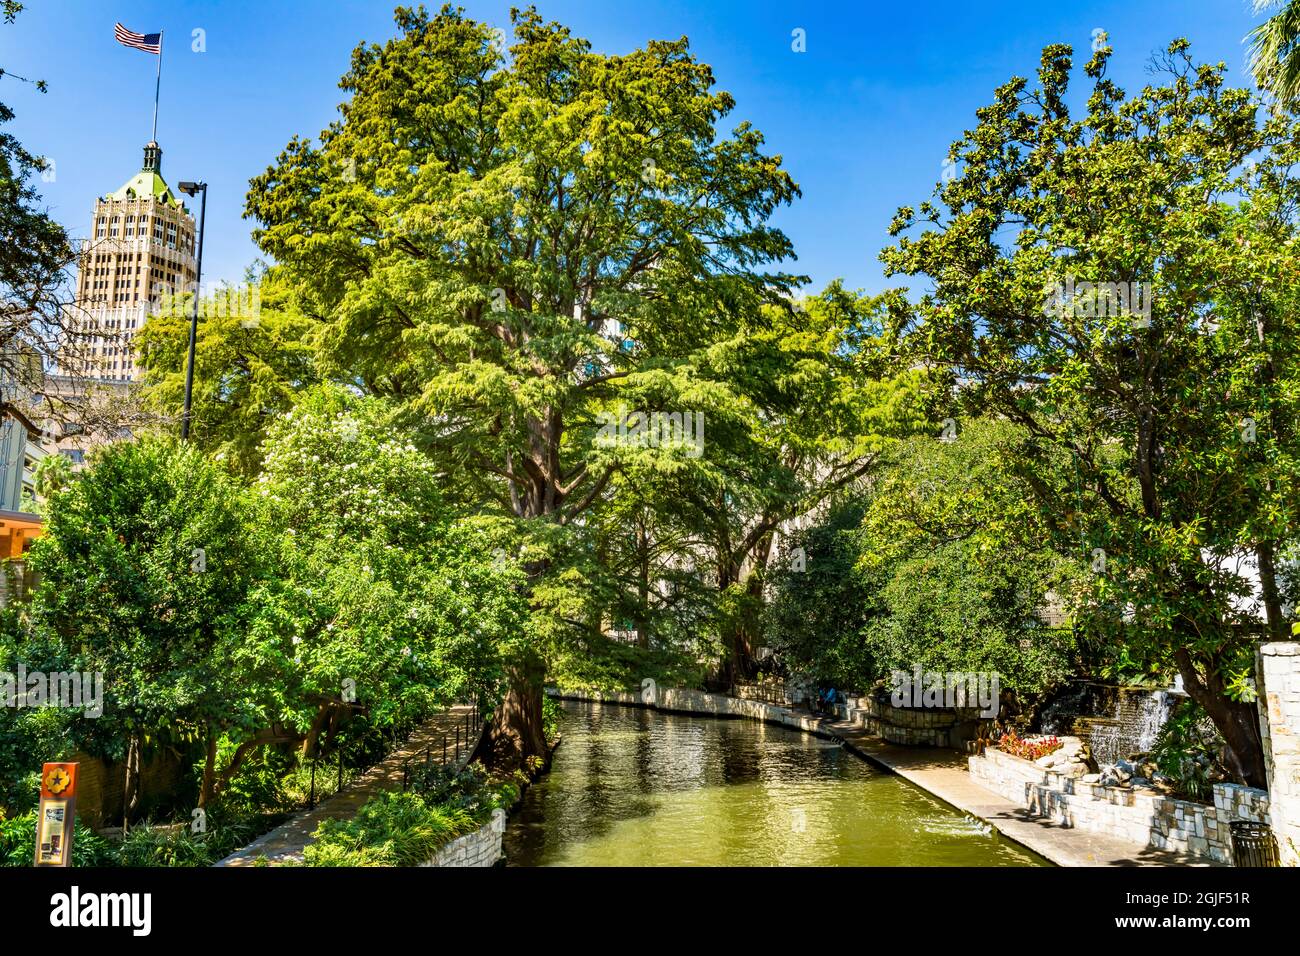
(636, 787)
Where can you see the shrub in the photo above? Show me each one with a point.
(177, 845)
(393, 829)
(440, 785)
(1187, 751)
(18, 843)
(152, 845)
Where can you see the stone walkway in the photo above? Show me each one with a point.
(286, 842)
(944, 774)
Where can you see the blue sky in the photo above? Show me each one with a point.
(863, 118)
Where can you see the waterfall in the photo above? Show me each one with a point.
(1153, 711)
(1127, 722)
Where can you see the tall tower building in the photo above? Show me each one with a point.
(141, 249)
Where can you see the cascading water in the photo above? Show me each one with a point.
(1153, 711)
(1131, 725)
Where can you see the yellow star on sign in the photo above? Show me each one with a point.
(57, 780)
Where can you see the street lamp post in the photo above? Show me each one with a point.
(190, 189)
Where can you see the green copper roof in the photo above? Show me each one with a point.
(148, 182)
(144, 184)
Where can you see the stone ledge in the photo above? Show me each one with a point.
(1280, 649)
(480, 848)
(1146, 817)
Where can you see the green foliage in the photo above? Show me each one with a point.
(393, 829)
(445, 785)
(937, 565)
(177, 845)
(822, 600)
(251, 359)
(510, 247)
(1187, 751)
(146, 565)
(1177, 418)
(603, 664)
(1274, 50)
(31, 736)
(948, 612)
(18, 843)
(551, 717)
(53, 474)
(145, 845)
(470, 789)
(379, 583)
(34, 252)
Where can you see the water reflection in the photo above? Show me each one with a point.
(634, 787)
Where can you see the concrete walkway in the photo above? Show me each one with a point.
(286, 842)
(944, 774)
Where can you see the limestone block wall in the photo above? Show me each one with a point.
(1277, 677)
(1141, 816)
(912, 726)
(480, 848)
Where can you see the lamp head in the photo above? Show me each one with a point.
(190, 189)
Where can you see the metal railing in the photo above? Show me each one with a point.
(463, 739)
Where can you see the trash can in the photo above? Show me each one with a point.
(1253, 844)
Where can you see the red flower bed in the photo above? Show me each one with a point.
(1028, 749)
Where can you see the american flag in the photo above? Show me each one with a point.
(149, 42)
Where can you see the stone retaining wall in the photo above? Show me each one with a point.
(480, 848)
(1137, 815)
(674, 700)
(913, 726)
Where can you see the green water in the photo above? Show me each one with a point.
(634, 787)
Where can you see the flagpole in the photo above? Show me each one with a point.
(156, 87)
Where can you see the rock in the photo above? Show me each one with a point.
(1091, 778)
(1126, 767)
(1114, 775)
(1140, 782)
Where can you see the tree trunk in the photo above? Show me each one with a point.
(743, 631)
(131, 783)
(517, 739)
(209, 773)
(1277, 629)
(738, 664)
(1237, 721)
(643, 588)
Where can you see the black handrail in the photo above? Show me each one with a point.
(472, 725)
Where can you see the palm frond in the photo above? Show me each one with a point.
(1273, 53)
